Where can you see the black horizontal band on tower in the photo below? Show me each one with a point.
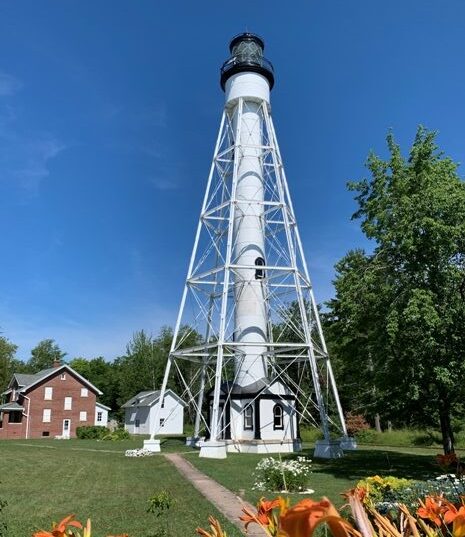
(232, 67)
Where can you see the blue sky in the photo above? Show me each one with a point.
(108, 116)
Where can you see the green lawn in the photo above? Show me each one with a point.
(45, 480)
(329, 477)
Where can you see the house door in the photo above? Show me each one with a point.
(66, 428)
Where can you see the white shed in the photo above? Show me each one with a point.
(139, 413)
(101, 414)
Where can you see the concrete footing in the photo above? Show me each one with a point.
(328, 449)
(212, 449)
(152, 445)
(348, 443)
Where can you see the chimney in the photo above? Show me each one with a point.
(56, 363)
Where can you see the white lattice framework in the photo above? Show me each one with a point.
(296, 348)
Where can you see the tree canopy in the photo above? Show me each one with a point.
(44, 355)
(397, 323)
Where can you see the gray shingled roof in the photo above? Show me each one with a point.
(25, 381)
(11, 406)
(148, 398)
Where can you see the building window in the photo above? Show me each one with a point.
(259, 272)
(48, 395)
(1, 420)
(163, 403)
(47, 415)
(278, 421)
(162, 422)
(248, 418)
(99, 416)
(84, 392)
(68, 403)
(45, 433)
(83, 415)
(63, 376)
(15, 417)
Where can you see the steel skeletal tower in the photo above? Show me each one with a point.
(248, 352)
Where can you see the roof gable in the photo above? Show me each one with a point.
(46, 373)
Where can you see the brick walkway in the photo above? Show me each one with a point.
(223, 499)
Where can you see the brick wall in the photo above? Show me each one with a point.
(69, 386)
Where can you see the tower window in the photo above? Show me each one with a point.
(278, 421)
(248, 418)
(259, 272)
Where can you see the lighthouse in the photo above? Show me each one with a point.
(259, 368)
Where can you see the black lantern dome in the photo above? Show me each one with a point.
(247, 56)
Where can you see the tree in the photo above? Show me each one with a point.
(103, 375)
(44, 355)
(8, 363)
(398, 319)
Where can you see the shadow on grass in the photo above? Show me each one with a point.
(357, 465)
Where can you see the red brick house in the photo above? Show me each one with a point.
(51, 403)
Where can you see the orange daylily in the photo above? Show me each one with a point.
(446, 460)
(264, 514)
(302, 519)
(457, 517)
(62, 529)
(432, 509)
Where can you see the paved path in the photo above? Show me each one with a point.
(223, 499)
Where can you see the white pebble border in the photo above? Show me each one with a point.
(138, 453)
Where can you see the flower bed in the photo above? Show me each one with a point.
(279, 475)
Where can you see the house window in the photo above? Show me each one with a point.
(47, 415)
(1, 420)
(163, 403)
(84, 392)
(68, 403)
(99, 416)
(15, 417)
(162, 422)
(63, 376)
(137, 423)
(48, 395)
(259, 272)
(83, 415)
(248, 418)
(278, 422)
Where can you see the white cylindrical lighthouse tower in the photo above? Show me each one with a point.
(247, 76)
(257, 361)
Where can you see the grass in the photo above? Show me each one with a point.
(329, 477)
(44, 480)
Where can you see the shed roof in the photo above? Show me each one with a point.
(149, 398)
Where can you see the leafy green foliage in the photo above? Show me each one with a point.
(44, 355)
(399, 312)
(91, 432)
(117, 434)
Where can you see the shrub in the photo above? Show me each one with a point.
(282, 476)
(355, 423)
(117, 434)
(310, 434)
(367, 436)
(91, 432)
